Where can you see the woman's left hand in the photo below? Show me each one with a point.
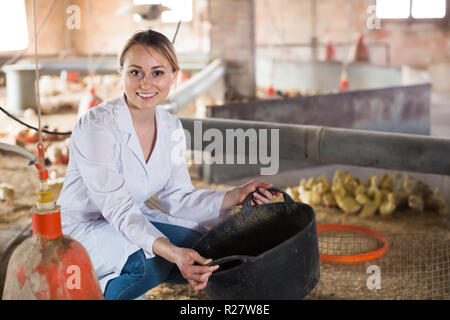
(259, 190)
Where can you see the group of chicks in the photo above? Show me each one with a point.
(385, 195)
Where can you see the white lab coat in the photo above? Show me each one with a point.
(108, 180)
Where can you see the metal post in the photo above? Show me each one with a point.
(20, 87)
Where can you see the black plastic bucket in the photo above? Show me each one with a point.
(270, 252)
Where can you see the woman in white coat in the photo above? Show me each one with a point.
(121, 155)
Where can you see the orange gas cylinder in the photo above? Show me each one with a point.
(50, 265)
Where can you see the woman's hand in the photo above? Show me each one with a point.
(196, 275)
(185, 259)
(238, 195)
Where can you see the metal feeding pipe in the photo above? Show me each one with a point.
(396, 151)
(199, 83)
(33, 160)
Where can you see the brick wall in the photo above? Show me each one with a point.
(418, 44)
(102, 31)
(51, 39)
(234, 27)
(232, 39)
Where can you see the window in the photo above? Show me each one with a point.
(398, 9)
(13, 26)
(405, 9)
(180, 9)
(426, 9)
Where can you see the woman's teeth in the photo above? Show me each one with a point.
(146, 95)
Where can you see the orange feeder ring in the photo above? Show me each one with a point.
(357, 258)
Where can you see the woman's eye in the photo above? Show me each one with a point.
(138, 74)
(158, 73)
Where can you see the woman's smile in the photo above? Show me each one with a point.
(146, 96)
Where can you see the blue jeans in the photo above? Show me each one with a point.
(140, 274)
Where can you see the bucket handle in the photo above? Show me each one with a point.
(223, 260)
(286, 197)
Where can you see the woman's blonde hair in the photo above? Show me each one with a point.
(155, 40)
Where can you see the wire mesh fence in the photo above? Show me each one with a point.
(355, 266)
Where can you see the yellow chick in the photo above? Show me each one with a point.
(302, 185)
(293, 192)
(7, 193)
(329, 200)
(304, 194)
(436, 202)
(401, 195)
(323, 188)
(373, 188)
(361, 196)
(443, 209)
(388, 206)
(346, 203)
(358, 181)
(397, 180)
(350, 184)
(370, 207)
(407, 183)
(421, 189)
(316, 197)
(309, 184)
(346, 176)
(336, 176)
(384, 193)
(415, 202)
(338, 187)
(383, 176)
(386, 183)
(326, 185)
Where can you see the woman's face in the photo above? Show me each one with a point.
(147, 77)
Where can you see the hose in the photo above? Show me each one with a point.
(31, 127)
